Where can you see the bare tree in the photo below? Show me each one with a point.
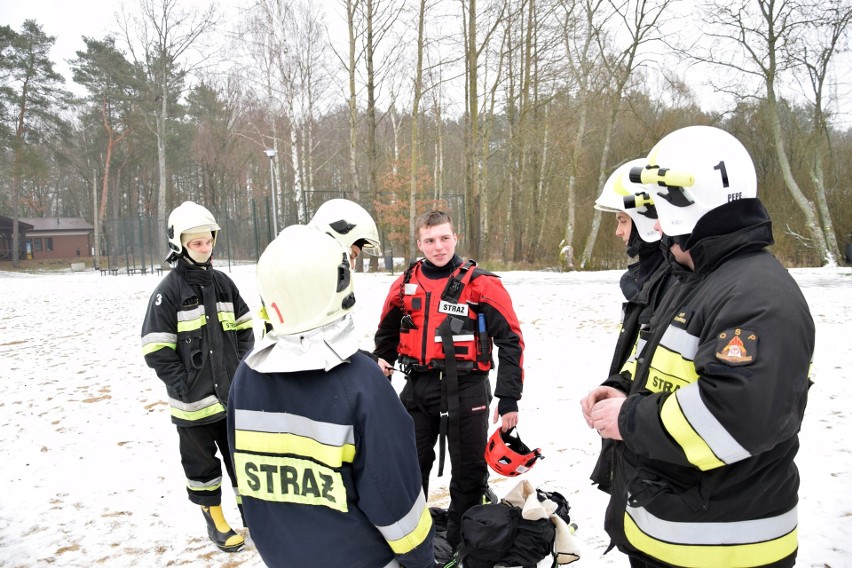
(765, 34)
(159, 38)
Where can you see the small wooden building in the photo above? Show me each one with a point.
(59, 237)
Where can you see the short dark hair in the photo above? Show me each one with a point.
(432, 219)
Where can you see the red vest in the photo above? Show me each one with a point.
(426, 304)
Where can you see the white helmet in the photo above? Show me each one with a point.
(188, 217)
(621, 194)
(304, 280)
(692, 171)
(349, 223)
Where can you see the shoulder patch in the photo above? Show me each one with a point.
(737, 346)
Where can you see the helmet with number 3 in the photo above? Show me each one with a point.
(621, 194)
(692, 171)
(304, 280)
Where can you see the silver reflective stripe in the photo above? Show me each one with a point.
(246, 318)
(705, 424)
(225, 307)
(736, 532)
(393, 564)
(456, 338)
(159, 338)
(193, 406)
(280, 422)
(190, 315)
(203, 484)
(679, 341)
(406, 525)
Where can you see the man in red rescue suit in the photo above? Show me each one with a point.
(441, 305)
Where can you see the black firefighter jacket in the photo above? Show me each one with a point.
(196, 330)
(705, 473)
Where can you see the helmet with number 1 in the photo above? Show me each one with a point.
(189, 218)
(304, 280)
(506, 454)
(621, 194)
(349, 223)
(692, 171)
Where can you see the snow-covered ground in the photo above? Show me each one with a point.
(90, 467)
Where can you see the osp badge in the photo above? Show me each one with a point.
(737, 346)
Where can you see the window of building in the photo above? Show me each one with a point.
(37, 245)
(48, 243)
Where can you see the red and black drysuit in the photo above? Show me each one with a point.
(429, 307)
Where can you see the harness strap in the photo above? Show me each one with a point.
(449, 421)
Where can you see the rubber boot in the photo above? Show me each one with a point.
(220, 533)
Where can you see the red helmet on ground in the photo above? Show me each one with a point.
(507, 455)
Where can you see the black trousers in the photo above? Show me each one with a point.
(203, 470)
(421, 396)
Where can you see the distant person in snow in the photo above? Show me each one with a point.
(643, 285)
(323, 449)
(704, 472)
(849, 251)
(196, 330)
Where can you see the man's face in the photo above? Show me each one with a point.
(624, 226)
(438, 243)
(354, 251)
(200, 249)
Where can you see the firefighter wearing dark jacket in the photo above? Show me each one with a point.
(643, 285)
(705, 473)
(440, 304)
(196, 330)
(323, 449)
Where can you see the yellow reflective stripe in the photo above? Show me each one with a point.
(629, 367)
(155, 341)
(670, 371)
(197, 411)
(414, 538)
(289, 480)
(188, 320)
(711, 555)
(696, 449)
(227, 321)
(244, 322)
(287, 443)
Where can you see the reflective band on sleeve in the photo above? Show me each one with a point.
(714, 434)
(695, 448)
(709, 545)
(156, 341)
(410, 531)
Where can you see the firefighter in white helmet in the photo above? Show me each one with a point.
(350, 224)
(323, 449)
(706, 436)
(643, 285)
(196, 330)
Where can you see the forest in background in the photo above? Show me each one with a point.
(510, 114)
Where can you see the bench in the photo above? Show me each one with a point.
(135, 269)
(159, 270)
(105, 271)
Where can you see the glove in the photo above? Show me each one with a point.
(180, 390)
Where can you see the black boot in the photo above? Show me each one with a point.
(220, 532)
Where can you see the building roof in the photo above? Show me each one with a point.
(6, 225)
(57, 223)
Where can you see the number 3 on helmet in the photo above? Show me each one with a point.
(507, 455)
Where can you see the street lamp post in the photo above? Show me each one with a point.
(270, 152)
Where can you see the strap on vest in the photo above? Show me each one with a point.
(455, 285)
(449, 421)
